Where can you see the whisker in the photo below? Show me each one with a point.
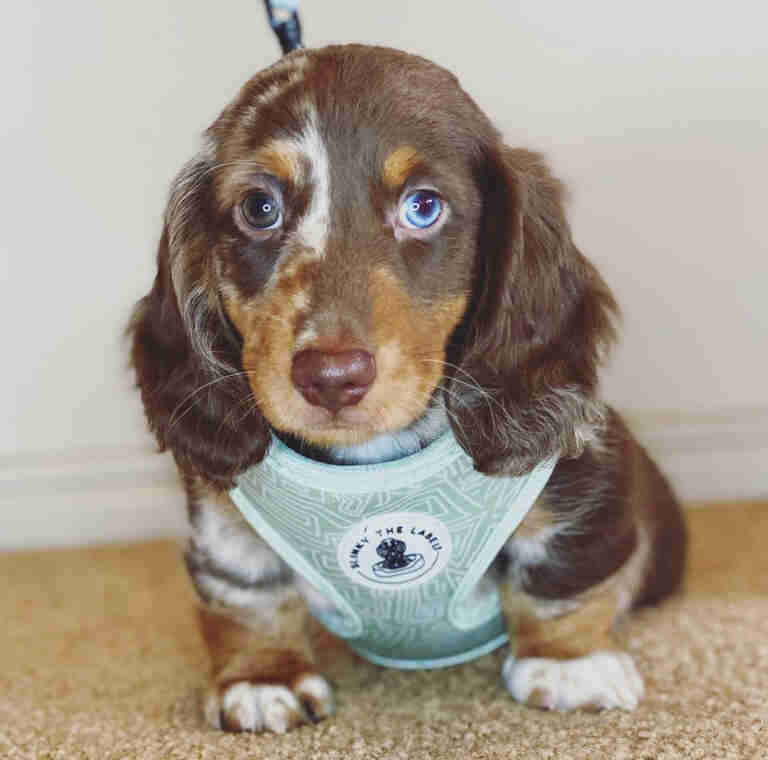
(484, 394)
(472, 381)
(250, 404)
(452, 416)
(174, 419)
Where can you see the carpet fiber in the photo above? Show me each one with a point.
(100, 658)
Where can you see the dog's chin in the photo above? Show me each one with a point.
(374, 430)
(349, 426)
(355, 436)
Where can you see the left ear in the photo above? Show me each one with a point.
(186, 356)
(538, 327)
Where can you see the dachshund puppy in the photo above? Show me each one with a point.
(355, 262)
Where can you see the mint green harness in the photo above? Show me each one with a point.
(397, 547)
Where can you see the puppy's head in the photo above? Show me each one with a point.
(353, 242)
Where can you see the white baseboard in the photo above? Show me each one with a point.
(105, 495)
(91, 496)
(709, 456)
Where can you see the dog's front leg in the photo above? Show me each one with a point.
(565, 655)
(255, 625)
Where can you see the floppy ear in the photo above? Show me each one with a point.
(540, 321)
(185, 353)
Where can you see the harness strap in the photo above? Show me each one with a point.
(397, 548)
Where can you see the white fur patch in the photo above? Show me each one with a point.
(381, 448)
(312, 230)
(306, 336)
(253, 606)
(222, 533)
(390, 446)
(601, 680)
(229, 555)
(244, 706)
(531, 550)
(316, 688)
(300, 300)
(249, 707)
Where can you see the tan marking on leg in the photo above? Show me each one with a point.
(263, 674)
(574, 634)
(239, 652)
(586, 626)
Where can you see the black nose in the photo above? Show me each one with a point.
(333, 379)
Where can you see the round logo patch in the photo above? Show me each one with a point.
(395, 550)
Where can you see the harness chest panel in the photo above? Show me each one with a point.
(398, 548)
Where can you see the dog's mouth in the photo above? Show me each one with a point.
(347, 426)
(355, 436)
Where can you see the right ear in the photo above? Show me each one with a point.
(542, 322)
(185, 352)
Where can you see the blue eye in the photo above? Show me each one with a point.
(421, 209)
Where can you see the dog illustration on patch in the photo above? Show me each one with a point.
(395, 562)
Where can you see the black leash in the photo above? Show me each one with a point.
(284, 20)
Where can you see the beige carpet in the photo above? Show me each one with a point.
(100, 658)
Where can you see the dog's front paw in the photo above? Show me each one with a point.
(248, 706)
(601, 680)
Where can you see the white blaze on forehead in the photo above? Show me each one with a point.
(312, 230)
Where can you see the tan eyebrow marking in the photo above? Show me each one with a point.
(399, 164)
(281, 158)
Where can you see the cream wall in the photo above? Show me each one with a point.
(654, 113)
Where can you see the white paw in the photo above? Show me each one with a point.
(246, 706)
(599, 681)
